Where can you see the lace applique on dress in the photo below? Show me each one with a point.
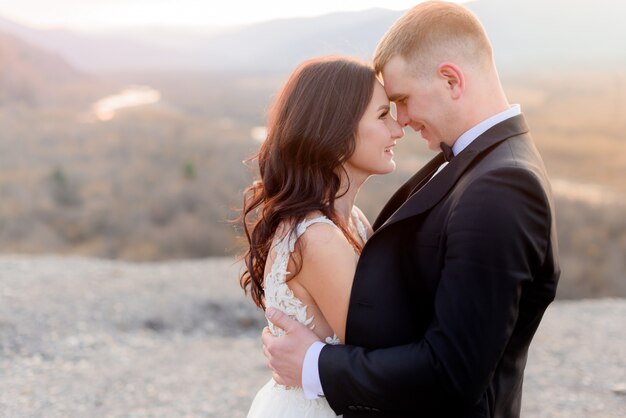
(359, 225)
(277, 293)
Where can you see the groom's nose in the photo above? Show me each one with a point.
(397, 131)
(403, 116)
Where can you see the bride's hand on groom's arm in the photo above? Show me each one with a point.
(285, 354)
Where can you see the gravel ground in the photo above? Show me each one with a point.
(95, 338)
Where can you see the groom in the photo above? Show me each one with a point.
(451, 288)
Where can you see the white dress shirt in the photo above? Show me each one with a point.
(311, 383)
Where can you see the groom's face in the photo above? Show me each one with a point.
(420, 100)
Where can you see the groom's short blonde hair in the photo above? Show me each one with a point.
(435, 31)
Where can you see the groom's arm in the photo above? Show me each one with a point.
(496, 237)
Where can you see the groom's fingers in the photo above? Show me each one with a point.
(266, 337)
(266, 353)
(266, 334)
(280, 320)
(278, 379)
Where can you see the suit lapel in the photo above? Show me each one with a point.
(432, 192)
(408, 188)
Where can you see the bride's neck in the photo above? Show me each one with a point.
(345, 203)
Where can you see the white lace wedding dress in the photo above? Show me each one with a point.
(274, 400)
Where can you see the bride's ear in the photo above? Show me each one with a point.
(453, 76)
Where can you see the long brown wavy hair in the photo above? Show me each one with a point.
(312, 129)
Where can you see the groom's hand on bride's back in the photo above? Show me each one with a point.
(285, 354)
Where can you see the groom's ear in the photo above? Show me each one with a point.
(453, 76)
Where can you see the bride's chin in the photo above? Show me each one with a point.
(390, 168)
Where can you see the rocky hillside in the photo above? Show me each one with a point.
(93, 338)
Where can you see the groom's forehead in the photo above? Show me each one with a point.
(393, 89)
(393, 74)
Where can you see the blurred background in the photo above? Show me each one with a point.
(124, 124)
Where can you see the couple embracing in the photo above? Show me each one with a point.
(430, 311)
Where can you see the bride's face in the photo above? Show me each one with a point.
(376, 137)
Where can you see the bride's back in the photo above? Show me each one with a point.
(304, 269)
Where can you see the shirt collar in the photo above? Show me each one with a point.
(470, 135)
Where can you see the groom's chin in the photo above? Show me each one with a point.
(432, 145)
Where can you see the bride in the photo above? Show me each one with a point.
(329, 130)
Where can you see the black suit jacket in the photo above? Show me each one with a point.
(451, 288)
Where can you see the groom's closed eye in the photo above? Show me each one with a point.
(397, 98)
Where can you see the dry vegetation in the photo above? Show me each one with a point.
(160, 181)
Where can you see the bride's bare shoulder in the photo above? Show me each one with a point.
(322, 232)
(323, 245)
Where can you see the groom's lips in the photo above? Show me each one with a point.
(420, 129)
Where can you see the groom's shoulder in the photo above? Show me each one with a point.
(515, 161)
(517, 153)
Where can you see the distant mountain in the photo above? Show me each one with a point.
(270, 46)
(26, 71)
(96, 53)
(282, 44)
(528, 35)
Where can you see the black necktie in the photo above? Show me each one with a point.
(448, 155)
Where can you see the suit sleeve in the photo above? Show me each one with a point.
(496, 237)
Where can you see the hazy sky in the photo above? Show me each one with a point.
(108, 14)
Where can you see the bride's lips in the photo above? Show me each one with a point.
(389, 149)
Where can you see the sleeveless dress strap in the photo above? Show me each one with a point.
(302, 226)
(287, 244)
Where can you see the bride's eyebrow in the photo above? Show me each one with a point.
(383, 107)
